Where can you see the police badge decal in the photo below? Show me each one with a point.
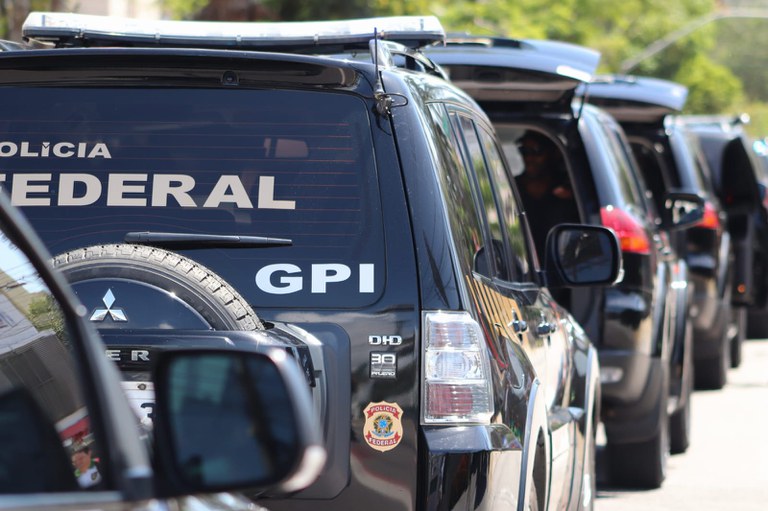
(383, 428)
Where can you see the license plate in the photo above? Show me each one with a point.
(141, 395)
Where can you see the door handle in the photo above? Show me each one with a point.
(545, 328)
(519, 326)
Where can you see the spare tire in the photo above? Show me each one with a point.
(188, 282)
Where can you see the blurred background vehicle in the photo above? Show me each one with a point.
(670, 158)
(527, 88)
(739, 180)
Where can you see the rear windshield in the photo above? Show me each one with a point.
(90, 165)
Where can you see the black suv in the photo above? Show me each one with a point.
(670, 158)
(205, 183)
(739, 179)
(527, 88)
(69, 438)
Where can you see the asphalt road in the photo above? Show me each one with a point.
(726, 465)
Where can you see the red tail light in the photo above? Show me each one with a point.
(710, 220)
(632, 236)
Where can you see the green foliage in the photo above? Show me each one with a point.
(44, 313)
(709, 57)
(712, 87)
(183, 9)
(742, 47)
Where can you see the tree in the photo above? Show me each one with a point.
(14, 12)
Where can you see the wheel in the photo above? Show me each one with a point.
(739, 326)
(209, 295)
(642, 464)
(712, 373)
(680, 420)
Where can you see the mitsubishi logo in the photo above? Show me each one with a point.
(115, 314)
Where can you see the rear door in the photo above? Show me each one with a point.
(637, 99)
(532, 75)
(516, 296)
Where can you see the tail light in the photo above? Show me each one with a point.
(632, 236)
(710, 219)
(457, 383)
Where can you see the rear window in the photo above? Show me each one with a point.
(90, 165)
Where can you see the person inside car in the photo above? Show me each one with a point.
(544, 185)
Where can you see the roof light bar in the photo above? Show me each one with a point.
(67, 29)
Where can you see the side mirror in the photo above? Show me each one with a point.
(682, 209)
(233, 420)
(582, 255)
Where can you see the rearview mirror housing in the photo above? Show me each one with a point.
(227, 420)
(582, 255)
(682, 209)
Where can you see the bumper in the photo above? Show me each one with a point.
(482, 462)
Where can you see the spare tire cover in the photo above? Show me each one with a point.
(167, 290)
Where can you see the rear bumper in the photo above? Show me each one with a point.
(477, 465)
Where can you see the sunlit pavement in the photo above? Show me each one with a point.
(726, 466)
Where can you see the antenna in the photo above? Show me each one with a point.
(383, 100)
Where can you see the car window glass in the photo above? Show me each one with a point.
(652, 169)
(508, 210)
(47, 443)
(620, 165)
(701, 177)
(457, 195)
(288, 164)
(496, 248)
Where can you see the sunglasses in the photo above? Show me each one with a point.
(530, 151)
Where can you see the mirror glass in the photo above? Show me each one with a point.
(684, 211)
(47, 442)
(585, 255)
(230, 419)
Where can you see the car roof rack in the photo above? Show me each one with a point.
(316, 37)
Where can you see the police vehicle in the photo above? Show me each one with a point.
(207, 184)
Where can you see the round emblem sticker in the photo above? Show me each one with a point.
(383, 428)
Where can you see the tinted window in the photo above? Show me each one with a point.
(495, 250)
(508, 210)
(90, 165)
(457, 194)
(614, 158)
(690, 157)
(652, 168)
(47, 443)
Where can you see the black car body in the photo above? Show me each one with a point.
(356, 207)
(739, 179)
(638, 325)
(69, 437)
(670, 158)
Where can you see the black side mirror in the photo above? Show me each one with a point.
(682, 209)
(233, 420)
(582, 255)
